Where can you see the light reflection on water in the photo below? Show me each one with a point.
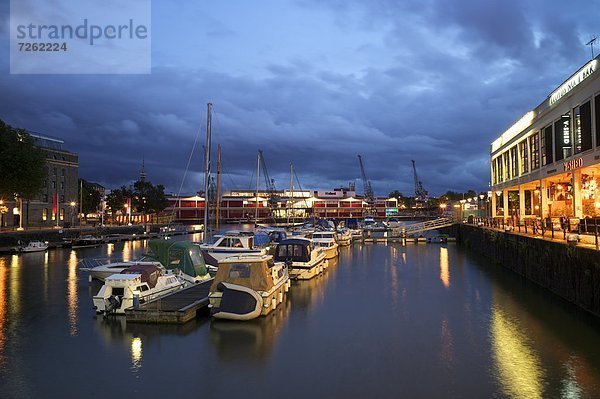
(444, 267)
(517, 363)
(388, 309)
(3, 310)
(72, 297)
(136, 354)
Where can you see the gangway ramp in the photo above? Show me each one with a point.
(426, 226)
(176, 308)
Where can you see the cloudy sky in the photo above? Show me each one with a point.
(313, 82)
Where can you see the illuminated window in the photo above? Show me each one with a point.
(547, 146)
(62, 214)
(534, 145)
(45, 214)
(524, 153)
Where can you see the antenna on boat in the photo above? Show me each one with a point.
(591, 44)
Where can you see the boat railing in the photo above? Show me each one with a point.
(90, 263)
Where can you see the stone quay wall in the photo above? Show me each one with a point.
(568, 270)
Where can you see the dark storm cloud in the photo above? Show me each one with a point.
(444, 80)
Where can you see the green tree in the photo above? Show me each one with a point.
(117, 198)
(90, 198)
(149, 198)
(22, 165)
(399, 196)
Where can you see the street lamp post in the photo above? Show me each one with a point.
(72, 204)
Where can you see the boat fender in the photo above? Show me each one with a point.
(221, 287)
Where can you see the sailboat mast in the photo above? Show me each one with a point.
(292, 190)
(218, 210)
(207, 172)
(257, 181)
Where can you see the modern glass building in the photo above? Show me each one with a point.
(547, 165)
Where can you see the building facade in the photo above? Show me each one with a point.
(283, 205)
(57, 203)
(547, 165)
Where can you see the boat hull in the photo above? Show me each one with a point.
(236, 302)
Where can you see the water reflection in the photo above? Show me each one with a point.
(136, 354)
(72, 299)
(444, 268)
(517, 364)
(3, 313)
(447, 341)
(248, 341)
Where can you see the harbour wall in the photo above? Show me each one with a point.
(55, 237)
(567, 270)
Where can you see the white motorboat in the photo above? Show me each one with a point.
(32, 246)
(327, 241)
(182, 255)
(248, 286)
(135, 285)
(231, 243)
(86, 241)
(344, 237)
(303, 258)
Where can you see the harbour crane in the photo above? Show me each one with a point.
(269, 182)
(421, 194)
(369, 195)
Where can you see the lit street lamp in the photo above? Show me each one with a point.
(72, 204)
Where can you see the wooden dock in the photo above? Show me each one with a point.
(176, 308)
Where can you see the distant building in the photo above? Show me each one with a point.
(53, 206)
(547, 164)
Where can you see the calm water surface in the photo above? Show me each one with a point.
(388, 321)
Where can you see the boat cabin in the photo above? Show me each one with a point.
(183, 255)
(253, 272)
(324, 235)
(238, 239)
(295, 250)
(148, 273)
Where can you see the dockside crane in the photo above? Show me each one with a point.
(368, 194)
(270, 183)
(421, 194)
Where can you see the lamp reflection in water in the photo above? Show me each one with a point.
(518, 367)
(444, 270)
(72, 293)
(136, 353)
(15, 285)
(3, 315)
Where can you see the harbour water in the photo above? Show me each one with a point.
(387, 321)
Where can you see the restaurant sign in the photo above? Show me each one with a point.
(573, 81)
(573, 164)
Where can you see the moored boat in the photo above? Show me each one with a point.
(248, 286)
(32, 246)
(344, 237)
(304, 260)
(135, 285)
(86, 241)
(231, 243)
(327, 241)
(182, 255)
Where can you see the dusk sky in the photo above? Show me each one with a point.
(313, 83)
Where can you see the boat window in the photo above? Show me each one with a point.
(144, 288)
(298, 251)
(118, 291)
(175, 257)
(240, 270)
(225, 243)
(236, 243)
(196, 256)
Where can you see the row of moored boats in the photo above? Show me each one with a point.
(251, 273)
